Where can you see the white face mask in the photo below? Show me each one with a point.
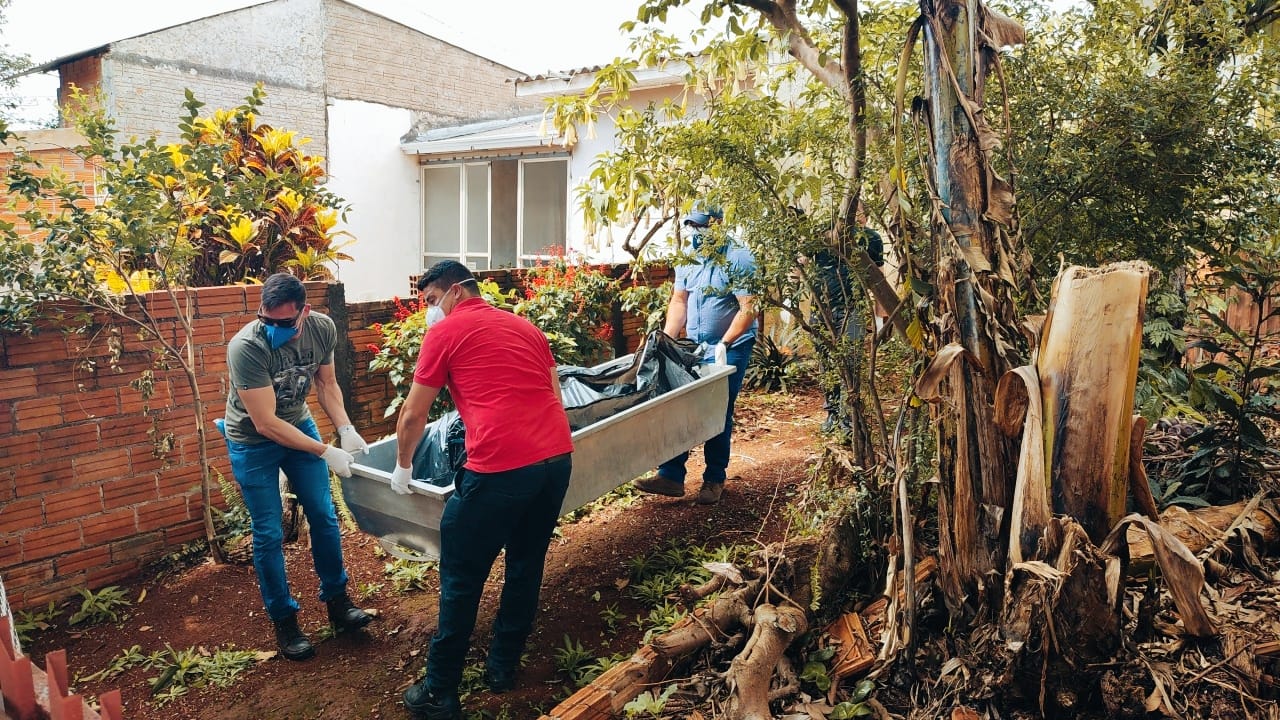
(434, 315)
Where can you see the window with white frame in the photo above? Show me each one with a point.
(544, 206)
(496, 213)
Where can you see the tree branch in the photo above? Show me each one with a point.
(782, 16)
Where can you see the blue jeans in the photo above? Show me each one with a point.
(716, 450)
(516, 510)
(257, 470)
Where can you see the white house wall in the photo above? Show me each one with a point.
(606, 244)
(369, 171)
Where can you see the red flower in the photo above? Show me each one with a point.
(372, 348)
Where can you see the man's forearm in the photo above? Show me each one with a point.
(738, 327)
(330, 398)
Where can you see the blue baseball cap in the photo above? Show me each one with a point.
(701, 215)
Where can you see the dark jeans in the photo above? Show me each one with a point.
(257, 469)
(516, 510)
(716, 450)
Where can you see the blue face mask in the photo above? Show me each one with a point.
(278, 336)
(697, 237)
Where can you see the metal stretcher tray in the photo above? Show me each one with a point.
(606, 455)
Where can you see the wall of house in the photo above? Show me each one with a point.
(367, 168)
(85, 74)
(220, 59)
(605, 245)
(52, 149)
(368, 57)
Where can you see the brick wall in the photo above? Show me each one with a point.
(85, 499)
(52, 149)
(368, 57)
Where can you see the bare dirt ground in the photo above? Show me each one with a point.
(362, 675)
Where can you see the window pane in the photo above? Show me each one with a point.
(476, 263)
(442, 224)
(502, 248)
(478, 209)
(546, 198)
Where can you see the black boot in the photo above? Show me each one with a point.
(289, 638)
(345, 616)
(423, 705)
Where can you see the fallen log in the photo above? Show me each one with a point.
(1200, 527)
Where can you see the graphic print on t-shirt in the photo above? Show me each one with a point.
(293, 383)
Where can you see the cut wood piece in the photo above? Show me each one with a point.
(1138, 485)
(1199, 527)
(1270, 648)
(854, 655)
(1019, 394)
(1088, 364)
(873, 614)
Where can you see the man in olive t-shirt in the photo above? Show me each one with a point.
(273, 362)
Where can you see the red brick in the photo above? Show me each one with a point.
(91, 404)
(10, 552)
(138, 546)
(22, 514)
(51, 540)
(45, 347)
(37, 413)
(144, 461)
(220, 301)
(126, 491)
(213, 360)
(181, 480)
(162, 514)
(108, 527)
(6, 417)
(8, 486)
(102, 465)
(70, 440)
(45, 475)
(71, 504)
(27, 574)
(17, 384)
(56, 590)
(113, 574)
(185, 533)
(19, 448)
(161, 305)
(209, 331)
(82, 560)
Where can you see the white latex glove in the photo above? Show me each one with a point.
(400, 480)
(351, 440)
(339, 460)
(721, 354)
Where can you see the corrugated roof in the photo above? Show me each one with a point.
(560, 75)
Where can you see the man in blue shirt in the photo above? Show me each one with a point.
(710, 304)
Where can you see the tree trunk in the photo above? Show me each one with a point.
(973, 297)
(1088, 364)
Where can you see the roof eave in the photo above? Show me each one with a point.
(579, 82)
(454, 146)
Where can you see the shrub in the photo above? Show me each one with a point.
(571, 303)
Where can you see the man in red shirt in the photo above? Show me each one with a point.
(501, 375)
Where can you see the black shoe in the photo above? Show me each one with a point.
(345, 616)
(425, 706)
(289, 638)
(500, 679)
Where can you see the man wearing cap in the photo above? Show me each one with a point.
(710, 304)
(272, 363)
(501, 375)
